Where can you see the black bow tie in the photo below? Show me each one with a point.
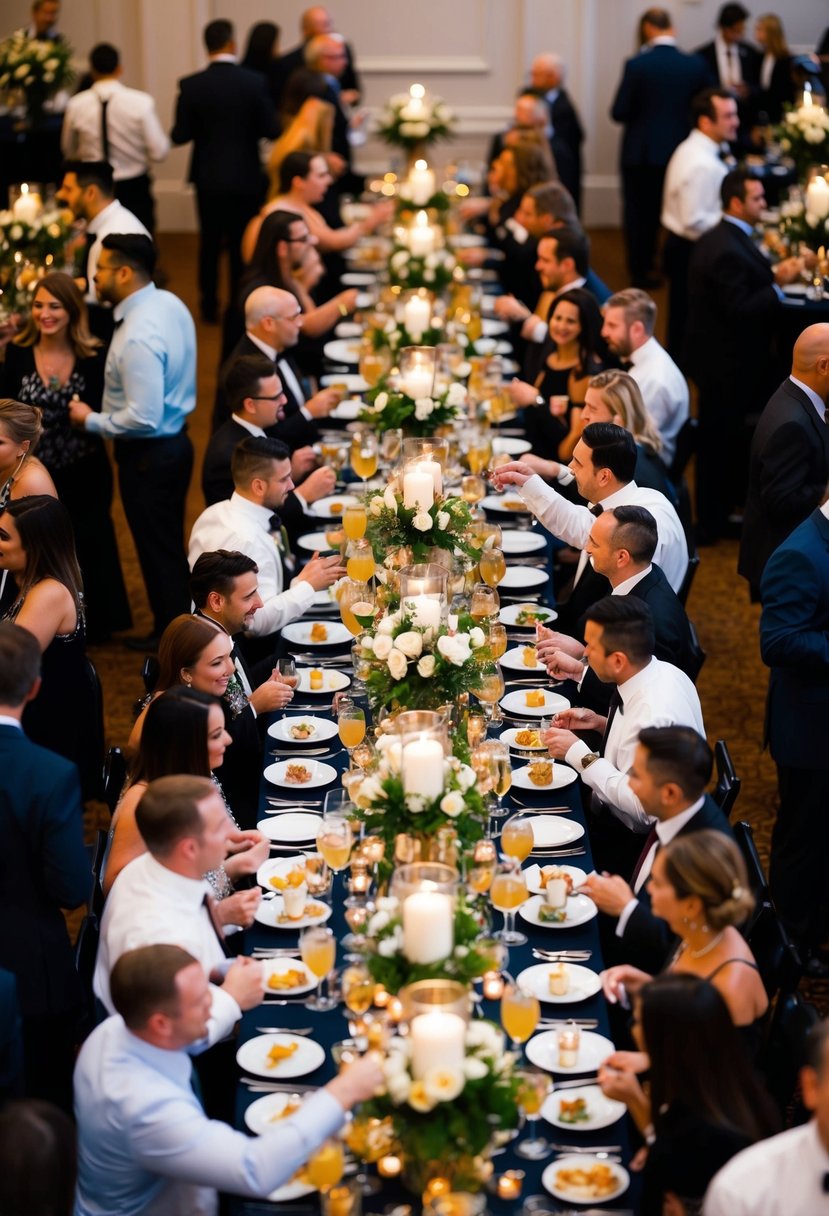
(826, 1184)
(596, 510)
(275, 523)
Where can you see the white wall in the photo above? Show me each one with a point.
(472, 52)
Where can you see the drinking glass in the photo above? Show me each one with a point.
(373, 363)
(497, 640)
(335, 838)
(318, 950)
(485, 602)
(508, 891)
(351, 724)
(520, 1012)
(481, 871)
(476, 724)
(473, 488)
(492, 565)
(360, 564)
(286, 666)
(494, 756)
(364, 454)
(357, 988)
(490, 689)
(333, 453)
(355, 521)
(325, 1166)
(317, 874)
(517, 837)
(391, 444)
(534, 1086)
(357, 603)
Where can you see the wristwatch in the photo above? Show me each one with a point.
(540, 400)
(589, 759)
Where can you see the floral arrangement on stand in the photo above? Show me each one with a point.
(36, 69)
(392, 526)
(412, 270)
(387, 961)
(803, 135)
(29, 248)
(413, 120)
(389, 409)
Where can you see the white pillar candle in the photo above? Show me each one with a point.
(433, 468)
(418, 490)
(421, 183)
(26, 206)
(417, 313)
(817, 199)
(437, 1042)
(421, 768)
(421, 236)
(425, 611)
(427, 927)
(417, 382)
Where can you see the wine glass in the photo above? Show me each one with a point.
(355, 521)
(365, 454)
(318, 950)
(520, 1012)
(497, 640)
(476, 724)
(485, 602)
(335, 836)
(317, 874)
(391, 444)
(361, 661)
(473, 488)
(360, 564)
(326, 1165)
(533, 1087)
(508, 891)
(480, 873)
(492, 565)
(490, 689)
(373, 363)
(495, 755)
(357, 988)
(357, 602)
(517, 837)
(351, 724)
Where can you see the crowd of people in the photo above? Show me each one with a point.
(106, 362)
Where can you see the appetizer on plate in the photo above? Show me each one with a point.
(281, 981)
(540, 772)
(302, 731)
(591, 1182)
(576, 1111)
(531, 616)
(280, 1052)
(297, 774)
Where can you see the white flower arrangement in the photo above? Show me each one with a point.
(408, 121)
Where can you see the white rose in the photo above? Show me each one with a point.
(422, 521)
(382, 645)
(474, 1069)
(452, 803)
(398, 1086)
(466, 777)
(429, 275)
(416, 803)
(456, 395)
(397, 664)
(463, 369)
(443, 1084)
(376, 505)
(377, 923)
(411, 643)
(477, 637)
(443, 520)
(387, 947)
(399, 259)
(381, 401)
(455, 649)
(426, 666)
(385, 629)
(389, 499)
(424, 406)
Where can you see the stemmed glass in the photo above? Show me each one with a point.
(391, 445)
(517, 837)
(351, 724)
(476, 724)
(357, 602)
(365, 454)
(508, 891)
(473, 488)
(497, 640)
(492, 565)
(360, 564)
(520, 1012)
(325, 1167)
(490, 689)
(495, 756)
(335, 836)
(485, 602)
(534, 1086)
(318, 950)
(355, 521)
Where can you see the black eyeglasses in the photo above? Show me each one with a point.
(299, 240)
(287, 316)
(278, 397)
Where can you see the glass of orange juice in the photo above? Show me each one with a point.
(360, 564)
(517, 837)
(355, 520)
(325, 1166)
(351, 723)
(335, 838)
(533, 1087)
(507, 893)
(318, 950)
(357, 602)
(365, 454)
(520, 1012)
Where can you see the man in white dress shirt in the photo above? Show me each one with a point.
(247, 522)
(162, 896)
(602, 467)
(145, 1145)
(786, 1175)
(629, 323)
(109, 122)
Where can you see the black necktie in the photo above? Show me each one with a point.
(210, 908)
(616, 707)
(90, 238)
(650, 840)
(104, 131)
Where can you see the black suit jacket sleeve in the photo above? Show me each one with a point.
(785, 496)
(64, 860)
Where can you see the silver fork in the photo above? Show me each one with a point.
(303, 1030)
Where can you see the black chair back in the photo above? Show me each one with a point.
(728, 783)
(149, 672)
(784, 1053)
(90, 702)
(688, 580)
(115, 774)
(756, 874)
(776, 956)
(698, 654)
(686, 445)
(86, 946)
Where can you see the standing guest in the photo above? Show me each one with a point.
(307, 119)
(55, 360)
(315, 21)
(149, 389)
(789, 456)
(37, 1160)
(531, 114)
(134, 1072)
(628, 330)
(787, 1173)
(109, 122)
(776, 83)
(328, 54)
(223, 111)
(88, 190)
(733, 302)
(735, 64)
(38, 549)
(21, 473)
(691, 202)
(262, 55)
(653, 103)
(794, 643)
(565, 132)
(43, 867)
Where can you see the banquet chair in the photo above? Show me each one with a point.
(688, 581)
(777, 958)
(756, 874)
(728, 783)
(699, 655)
(91, 762)
(86, 946)
(783, 1053)
(115, 774)
(686, 445)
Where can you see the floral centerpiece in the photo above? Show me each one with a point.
(804, 136)
(413, 120)
(412, 270)
(801, 224)
(28, 250)
(392, 526)
(405, 208)
(389, 965)
(388, 408)
(37, 68)
(445, 1120)
(393, 336)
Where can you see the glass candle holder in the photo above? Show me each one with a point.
(424, 594)
(417, 366)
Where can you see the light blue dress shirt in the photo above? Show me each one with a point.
(150, 377)
(145, 1146)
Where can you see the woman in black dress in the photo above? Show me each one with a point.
(53, 361)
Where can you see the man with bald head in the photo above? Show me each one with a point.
(565, 131)
(789, 464)
(314, 22)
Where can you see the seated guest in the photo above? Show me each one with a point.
(704, 1102)
(619, 648)
(518, 167)
(629, 321)
(304, 179)
(53, 360)
(614, 396)
(38, 549)
(37, 1160)
(530, 114)
(133, 1074)
(699, 886)
(603, 464)
(247, 521)
(43, 867)
(184, 732)
(262, 56)
(670, 770)
(21, 473)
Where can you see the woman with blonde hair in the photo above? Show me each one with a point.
(307, 121)
(777, 87)
(21, 473)
(614, 396)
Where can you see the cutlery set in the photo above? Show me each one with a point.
(562, 956)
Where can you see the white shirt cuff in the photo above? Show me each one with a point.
(576, 753)
(625, 915)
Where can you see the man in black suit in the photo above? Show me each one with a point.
(313, 23)
(566, 132)
(224, 111)
(328, 54)
(43, 867)
(733, 63)
(670, 770)
(733, 301)
(653, 102)
(789, 456)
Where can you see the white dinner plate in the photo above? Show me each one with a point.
(562, 775)
(542, 1050)
(332, 681)
(504, 445)
(281, 866)
(323, 728)
(584, 983)
(506, 504)
(521, 578)
(603, 1112)
(323, 506)
(342, 350)
(358, 278)
(510, 612)
(515, 702)
(321, 774)
(300, 632)
(263, 1115)
(796, 289)
(466, 240)
(282, 966)
(514, 659)
(583, 1161)
(491, 346)
(314, 542)
(270, 910)
(324, 599)
(579, 910)
(514, 541)
(252, 1056)
(348, 329)
(353, 381)
(552, 830)
(290, 827)
(532, 875)
(348, 409)
(508, 737)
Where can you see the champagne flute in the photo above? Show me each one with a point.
(520, 1013)
(364, 454)
(318, 950)
(508, 891)
(534, 1086)
(517, 837)
(495, 755)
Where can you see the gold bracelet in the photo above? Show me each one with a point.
(342, 308)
